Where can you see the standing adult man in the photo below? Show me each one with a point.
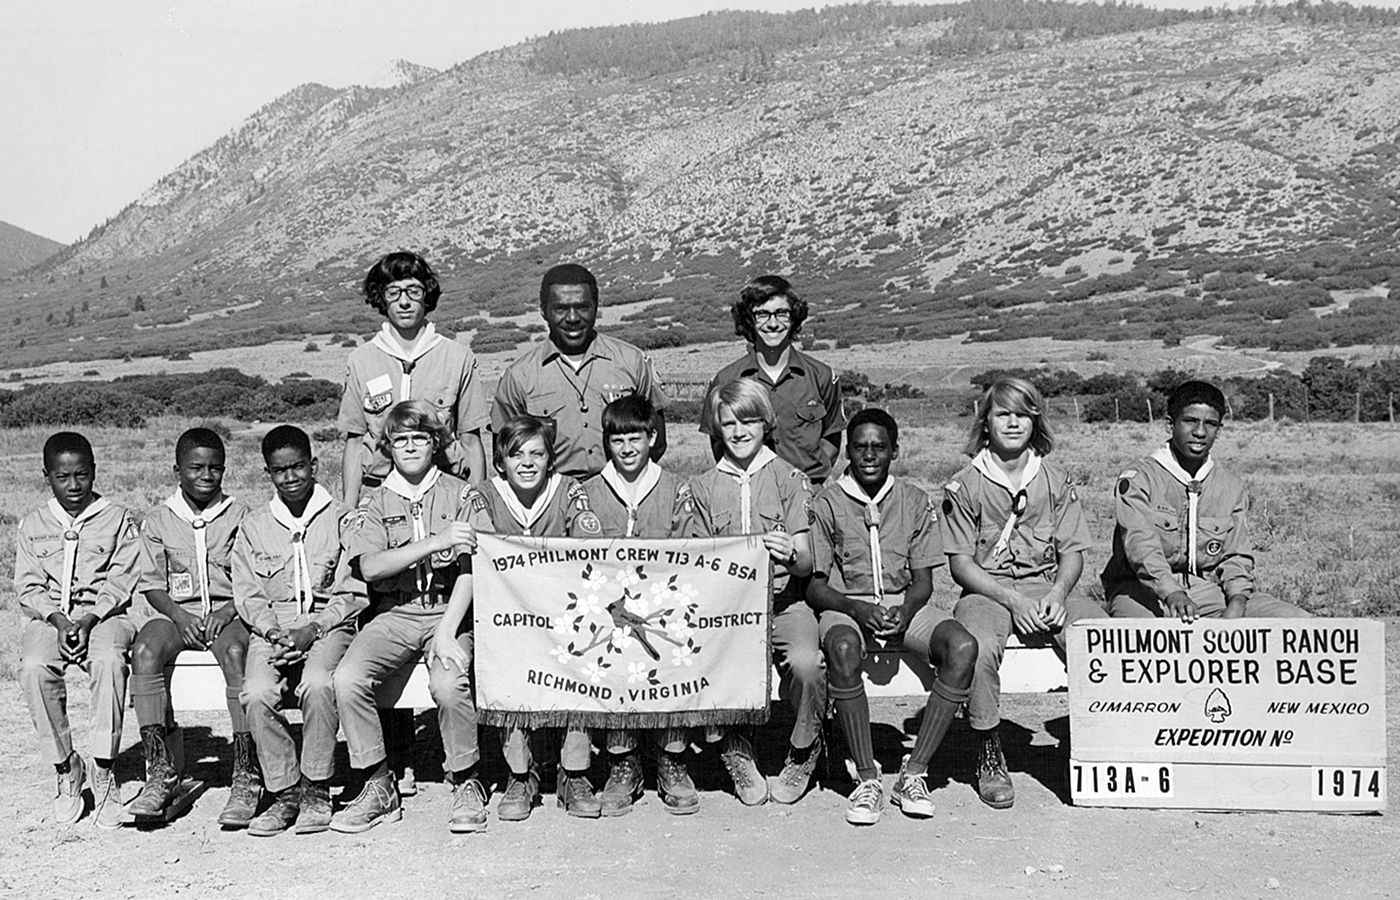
(576, 372)
(804, 392)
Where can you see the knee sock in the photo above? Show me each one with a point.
(853, 712)
(148, 698)
(235, 708)
(942, 707)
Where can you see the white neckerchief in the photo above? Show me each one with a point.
(414, 494)
(427, 339)
(526, 517)
(72, 527)
(1163, 457)
(632, 493)
(301, 566)
(986, 463)
(198, 521)
(872, 520)
(745, 476)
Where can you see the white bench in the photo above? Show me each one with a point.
(198, 684)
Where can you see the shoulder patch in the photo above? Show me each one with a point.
(587, 523)
(1129, 473)
(476, 500)
(933, 510)
(466, 494)
(1124, 485)
(579, 497)
(354, 519)
(952, 487)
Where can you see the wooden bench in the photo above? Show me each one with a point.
(197, 683)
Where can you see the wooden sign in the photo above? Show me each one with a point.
(1228, 714)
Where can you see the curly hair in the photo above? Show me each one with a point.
(396, 267)
(414, 415)
(758, 292)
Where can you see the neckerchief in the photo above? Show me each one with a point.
(198, 521)
(414, 494)
(526, 517)
(1163, 457)
(986, 463)
(872, 521)
(745, 476)
(301, 566)
(632, 493)
(72, 528)
(427, 339)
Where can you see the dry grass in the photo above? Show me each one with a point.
(1325, 495)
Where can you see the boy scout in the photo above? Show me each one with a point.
(293, 587)
(185, 576)
(1181, 544)
(635, 497)
(875, 544)
(76, 561)
(1015, 537)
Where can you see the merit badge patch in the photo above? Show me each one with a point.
(181, 585)
(1214, 546)
(588, 523)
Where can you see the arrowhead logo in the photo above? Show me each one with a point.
(1217, 706)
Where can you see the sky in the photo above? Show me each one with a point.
(100, 98)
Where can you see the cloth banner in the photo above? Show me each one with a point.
(621, 632)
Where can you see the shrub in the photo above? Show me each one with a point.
(217, 426)
(76, 403)
(311, 347)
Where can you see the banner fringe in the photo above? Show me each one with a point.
(561, 718)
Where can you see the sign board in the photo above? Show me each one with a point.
(1228, 714)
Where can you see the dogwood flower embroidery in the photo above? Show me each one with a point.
(679, 629)
(561, 653)
(622, 638)
(636, 672)
(594, 672)
(628, 577)
(681, 656)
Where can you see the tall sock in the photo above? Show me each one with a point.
(942, 707)
(379, 770)
(236, 715)
(148, 698)
(853, 712)
(462, 775)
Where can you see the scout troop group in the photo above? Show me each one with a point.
(314, 601)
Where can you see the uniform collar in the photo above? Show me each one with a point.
(427, 339)
(91, 511)
(632, 493)
(1164, 457)
(180, 506)
(596, 350)
(797, 363)
(985, 463)
(320, 499)
(761, 459)
(526, 517)
(413, 493)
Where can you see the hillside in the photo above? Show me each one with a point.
(993, 170)
(20, 249)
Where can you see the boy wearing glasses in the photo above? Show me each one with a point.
(1181, 545)
(406, 542)
(805, 395)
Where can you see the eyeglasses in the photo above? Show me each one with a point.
(414, 292)
(778, 315)
(416, 438)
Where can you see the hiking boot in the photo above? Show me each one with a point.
(468, 807)
(867, 802)
(749, 785)
(378, 802)
(624, 785)
(575, 794)
(521, 796)
(107, 798)
(280, 816)
(678, 793)
(408, 782)
(68, 804)
(162, 781)
(993, 781)
(911, 794)
(792, 782)
(315, 814)
(246, 788)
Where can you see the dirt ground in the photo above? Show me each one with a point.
(1043, 847)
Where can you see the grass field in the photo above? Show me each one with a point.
(1323, 515)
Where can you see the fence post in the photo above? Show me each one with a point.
(1271, 406)
(1356, 415)
(1149, 410)
(1115, 409)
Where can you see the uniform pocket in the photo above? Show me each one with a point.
(1211, 532)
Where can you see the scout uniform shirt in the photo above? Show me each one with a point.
(437, 369)
(985, 517)
(770, 495)
(1151, 541)
(494, 508)
(806, 400)
(395, 514)
(543, 384)
(288, 572)
(657, 505)
(80, 566)
(906, 535)
(188, 554)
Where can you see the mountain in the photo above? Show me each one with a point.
(20, 249)
(400, 73)
(993, 169)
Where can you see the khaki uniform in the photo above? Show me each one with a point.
(104, 572)
(806, 400)
(541, 383)
(1151, 548)
(265, 594)
(405, 619)
(780, 499)
(446, 376)
(975, 512)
